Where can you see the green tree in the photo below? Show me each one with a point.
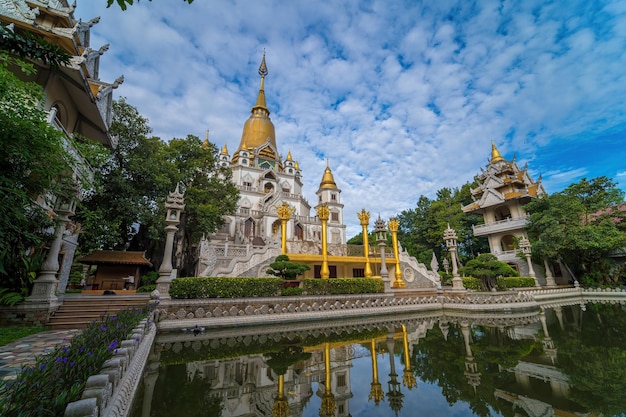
(421, 229)
(282, 267)
(487, 267)
(126, 208)
(33, 165)
(578, 226)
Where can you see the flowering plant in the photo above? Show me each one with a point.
(59, 377)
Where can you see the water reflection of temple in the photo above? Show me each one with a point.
(321, 373)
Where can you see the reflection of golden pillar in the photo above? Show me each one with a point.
(364, 218)
(284, 214)
(393, 228)
(376, 390)
(328, 399)
(323, 212)
(281, 406)
(408, 379)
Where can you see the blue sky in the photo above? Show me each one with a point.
(403, 98)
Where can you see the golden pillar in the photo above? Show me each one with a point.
(364, 218)
(328, 399)
(393, 228)
(408, 379)
(376, 390)
(323, 212)
(281, 406)
(284, 214)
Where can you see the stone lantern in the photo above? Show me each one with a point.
(380, 228)
(525, 247)
(175, 206)
(450, 237)
(45, 286)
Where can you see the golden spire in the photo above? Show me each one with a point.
(206, 144)
(328, 181)
(224, 150)
(259, 129)
(289, 156)
(495, 155)
(297, 166)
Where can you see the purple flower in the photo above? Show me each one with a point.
(113, 345)
(72, 363)
(42, 366)
(102, 328)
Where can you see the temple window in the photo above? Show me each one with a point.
(334, 216)
(299, 232)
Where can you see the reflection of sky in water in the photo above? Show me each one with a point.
(425, 400)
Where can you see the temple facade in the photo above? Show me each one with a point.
(503, 191)
(271, 197)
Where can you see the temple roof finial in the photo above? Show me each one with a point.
(495, 154)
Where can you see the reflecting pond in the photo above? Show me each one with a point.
(568, 360)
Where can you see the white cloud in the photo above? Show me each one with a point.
(402, 98)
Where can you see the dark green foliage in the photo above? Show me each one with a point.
(504, 283)
(59, 377)
(291, 291)
(421, 229)
(343, 286)
(32, 161)
(147, 288)
(225, 287)
(28, 46)
(282, 267)
(582, 226)
(487, 268)
(282, 359)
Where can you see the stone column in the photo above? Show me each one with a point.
(323, 212)
(284, 214)
(471, 367)
(174, 205)
(364, 219)
(524, 245)
(393, 228)
(45, 286)
(550, 282)
(394, 394)
(450, 237)
(381, 236)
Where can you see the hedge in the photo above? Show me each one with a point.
(225, 287)
(515, 282)
(316, 286)
(472, 283)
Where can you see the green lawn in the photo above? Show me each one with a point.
(10, 334)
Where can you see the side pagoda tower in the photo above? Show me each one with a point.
(503, 191)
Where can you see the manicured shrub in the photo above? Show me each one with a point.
(291, 291)
(59, 377)
(225, 287)
(472, 283)
(316, 286)
(514, 282)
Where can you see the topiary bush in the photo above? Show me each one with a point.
(316, 286)
(291, 291)
(225, 287)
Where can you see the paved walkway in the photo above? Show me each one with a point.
(23, 351)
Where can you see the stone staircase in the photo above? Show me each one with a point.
(79, 310)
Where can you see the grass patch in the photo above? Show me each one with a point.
(12, 333)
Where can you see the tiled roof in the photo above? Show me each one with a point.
(115, 257)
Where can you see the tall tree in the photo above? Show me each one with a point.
(126, 209)
(33, 165)
(578, 225)
(421, 229)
